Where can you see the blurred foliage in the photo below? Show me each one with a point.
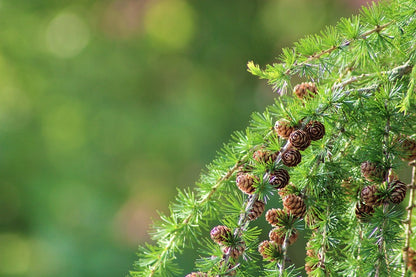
(107, 106)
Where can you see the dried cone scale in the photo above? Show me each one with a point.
(291, 157)
(315, 129)
(362, 211)
(294, 205)
(275, 216)
(220, 234)
(279, 178)
(245, 182)
(369, 196)
(283, 128)
(372, 171)
(398, 191)
(256, 210)
(300, 139)
(304, 90)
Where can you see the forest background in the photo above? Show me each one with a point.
(107, 106)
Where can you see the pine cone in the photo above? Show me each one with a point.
(291, 157)
(369, 196)
(373, 172)
(305, 90)
(411, 259)
(408, 147)
(264, 156)
(289, 189)
(197, 274)
(279, 178)
(270, 250)
(245, 183)
(315, 129)
(256, 210)
(278, 235)
(244, 169)
(398, 191)
(283, 128)
(362, 211)
(300, 139)
(235, 251)
(294, 205)
(221, 234)
(275, 216)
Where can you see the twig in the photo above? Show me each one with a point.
(408, 225)
(167, 247)
(284, 252)
(333, 48)
(394, 73)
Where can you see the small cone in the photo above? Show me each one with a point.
(294, 205)
(300, 139)
(283, 128)
(256, 210)
(362, 211)
(278, 235)
(264, 156)
(279, 178)
(291, 157)
(236, 250)
(373, 172)
(305, 90)
(245, 182)
(398, 191)
(315, 129)
(197, 274)
(220, 234)
(408, 147)
(270, 250)
(411, 259)
(289, 189)
(275, 216)
(369, 196)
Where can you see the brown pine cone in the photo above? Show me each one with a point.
(291, 157)
(264, 156)
(275, 216)
(279, 178)
(362, 211)
(398, 191)
(244, 169)
(289, 189)
(305, 90)
(197, 274)
(283, 128)
(411, 259)
(300, 139)
(221, 234)
(373, 172)
(315, 129)
(256, 210)
(278, 235)
(245, 182)
(235, 251)
(270, 250)
(369, 196)
(408, 148)
(294, 205)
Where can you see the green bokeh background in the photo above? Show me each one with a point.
(107, 106)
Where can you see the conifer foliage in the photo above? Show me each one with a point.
(327, 149)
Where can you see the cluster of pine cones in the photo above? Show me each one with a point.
(372, 196)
